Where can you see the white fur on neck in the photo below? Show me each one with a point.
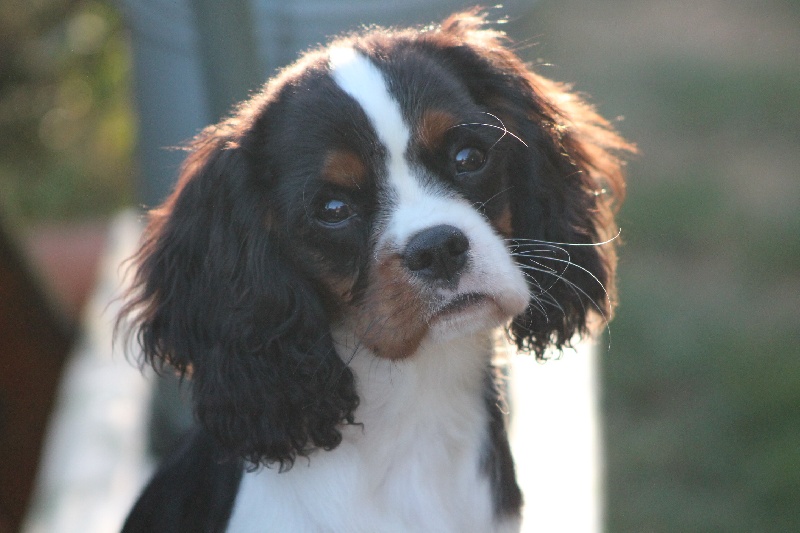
(414, 464)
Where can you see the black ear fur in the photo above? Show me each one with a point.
(566, 186)
(559, 216)
(216, 296)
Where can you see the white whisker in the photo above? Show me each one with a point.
(502, 128)
(524, 242)
(576, 289)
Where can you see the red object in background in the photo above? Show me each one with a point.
(42, 293)
(67, 258)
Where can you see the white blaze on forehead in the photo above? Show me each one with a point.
(356, 75)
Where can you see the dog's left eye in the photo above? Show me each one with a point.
(469, 159)
(334, 212)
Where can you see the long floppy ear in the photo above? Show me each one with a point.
(216, 297)
(566, 183)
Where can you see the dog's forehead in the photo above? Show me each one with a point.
(365, 83)
(360, 78)
(403, 92)
(398, 120)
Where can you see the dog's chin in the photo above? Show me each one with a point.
(468, 314)
(399, 332)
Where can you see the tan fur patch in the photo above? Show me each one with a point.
(503, 222)
(392, 318)
(344, 168)
(432, 127)
(341, 287)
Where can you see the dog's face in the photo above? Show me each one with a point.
(402, 187)
(399, 203)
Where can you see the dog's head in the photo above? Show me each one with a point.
(404, 187)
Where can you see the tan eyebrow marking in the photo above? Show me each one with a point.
(432, 127)
(344, 168)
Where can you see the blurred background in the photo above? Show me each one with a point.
(701, 384)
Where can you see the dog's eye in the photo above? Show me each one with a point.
(469, 159)
(334, 212)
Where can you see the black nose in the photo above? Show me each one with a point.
(438, 253)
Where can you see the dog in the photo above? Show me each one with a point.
(330, 268)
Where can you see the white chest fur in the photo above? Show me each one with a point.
(414, 465)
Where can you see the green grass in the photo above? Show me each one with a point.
(66, 123)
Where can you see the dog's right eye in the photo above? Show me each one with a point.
(469, 159)
(334, 213)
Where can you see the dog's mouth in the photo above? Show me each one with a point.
(463, 303)
(466, 314)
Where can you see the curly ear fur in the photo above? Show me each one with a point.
(216, 297)
(566, 186)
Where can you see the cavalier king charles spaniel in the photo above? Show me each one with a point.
(329, 271)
